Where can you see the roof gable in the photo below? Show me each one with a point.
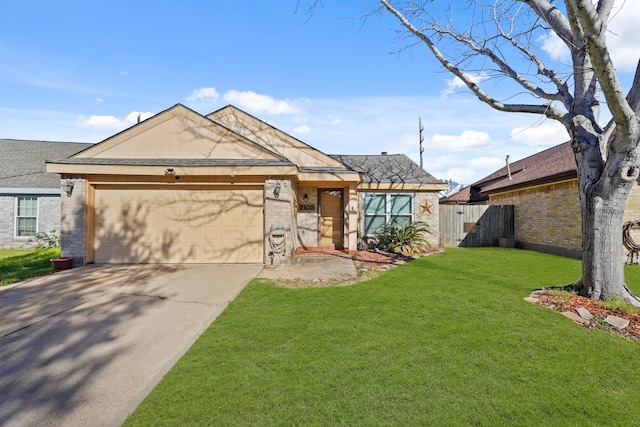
(272, 138)
(178, 133)
(22, 162)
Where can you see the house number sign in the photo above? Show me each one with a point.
(306, 208)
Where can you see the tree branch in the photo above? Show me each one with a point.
(547, 110)
(552, 16)
(595, 37)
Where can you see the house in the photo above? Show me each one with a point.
(465, 196)
(543, 188)
(29, 196)
(181, 187)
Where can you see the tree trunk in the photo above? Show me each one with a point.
(603, 258)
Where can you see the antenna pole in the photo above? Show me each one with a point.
(421, 128)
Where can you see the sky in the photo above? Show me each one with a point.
(339, 80)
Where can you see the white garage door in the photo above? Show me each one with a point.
(178, 225)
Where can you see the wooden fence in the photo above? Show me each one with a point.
(475, 225)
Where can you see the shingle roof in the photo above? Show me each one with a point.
(387, 168)
(22, 163)
(468, 194)
(173, 162)
(553, 164)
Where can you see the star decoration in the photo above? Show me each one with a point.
(427, 207)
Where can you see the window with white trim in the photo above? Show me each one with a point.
(386, 208)
(26, 216)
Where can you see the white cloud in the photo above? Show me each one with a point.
(555, 47)
(467, 140)
(454, 83)
(463, 170)
(462, 176)
(303, 129)
(205, 95)
(112, 122)
(546, 135)
(99, 100)
(622, 37)
(258, 103)
(124, 73)
(486, 163)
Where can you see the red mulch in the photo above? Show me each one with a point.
(374, 260)
(572, 302)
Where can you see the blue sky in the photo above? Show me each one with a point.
(84, 70)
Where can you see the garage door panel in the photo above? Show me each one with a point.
(178, 225)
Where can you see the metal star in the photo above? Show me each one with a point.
(427, 207)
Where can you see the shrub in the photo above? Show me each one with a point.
(404, 238)
(46, 240)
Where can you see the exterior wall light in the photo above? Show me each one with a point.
(276, 190)
(169, 172)
(67, 187)
(305, 198)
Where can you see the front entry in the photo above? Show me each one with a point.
(331, 218)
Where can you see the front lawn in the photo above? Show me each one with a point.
(442, 340)
(21, 264)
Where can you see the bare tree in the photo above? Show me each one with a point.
(499, 40)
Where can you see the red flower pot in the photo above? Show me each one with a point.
(61, 263)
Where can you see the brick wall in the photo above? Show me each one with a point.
(632, 208)
(546, 215)
(279, 211)
(307, 219)
(49, 213)
(430, 214)
(48, 219)
(73, 225)
(7, 206)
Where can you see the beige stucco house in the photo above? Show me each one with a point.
(181, 187)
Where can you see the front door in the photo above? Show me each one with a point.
(331, 215)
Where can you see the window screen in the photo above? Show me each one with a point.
(26, 216)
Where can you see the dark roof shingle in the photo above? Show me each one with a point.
(387, 168)
(550, 165)
(22, 163)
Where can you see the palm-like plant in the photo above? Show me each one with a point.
(403, 237)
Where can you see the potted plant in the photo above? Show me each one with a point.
(61, 263)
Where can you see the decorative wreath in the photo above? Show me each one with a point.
(634, 248)
(627, 240)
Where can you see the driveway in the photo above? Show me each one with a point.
(85, 346)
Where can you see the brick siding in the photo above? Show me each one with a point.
(279, 211)
(48, 219)
(73, 227)
(546, 215)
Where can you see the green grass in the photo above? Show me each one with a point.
(443, 340)
(21, 264)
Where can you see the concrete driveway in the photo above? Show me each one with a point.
(85, 346)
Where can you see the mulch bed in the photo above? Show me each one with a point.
(572, 302)
(381, 260)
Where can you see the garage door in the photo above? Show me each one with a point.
(178, 225)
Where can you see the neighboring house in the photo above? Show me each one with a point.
(29, 196)
(180, 187)
(543, 188)
(465, 196)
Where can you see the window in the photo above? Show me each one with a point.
(385, 208)
(26, 216)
